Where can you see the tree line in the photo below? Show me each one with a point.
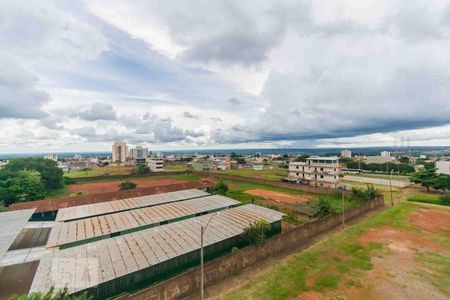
(25, 179)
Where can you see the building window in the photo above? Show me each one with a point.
(321, 176)
(321, 169)
(298, 174)
(297, 167)
(334, 177)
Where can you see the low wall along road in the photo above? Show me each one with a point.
(188, 283)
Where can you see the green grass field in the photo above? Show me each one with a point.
(384, 176)
(274, 174)
(432, 199)
(99, 172)
(341, 261)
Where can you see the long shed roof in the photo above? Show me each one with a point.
(122, 255)
(11, 224)
(83, 230)
(96, 209)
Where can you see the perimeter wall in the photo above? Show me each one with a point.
(294, 186)
(188, 283)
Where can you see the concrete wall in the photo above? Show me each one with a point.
(294, 186)
(188, 283)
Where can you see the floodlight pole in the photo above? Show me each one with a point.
(343, 210)
(390, 185)
(202, 232)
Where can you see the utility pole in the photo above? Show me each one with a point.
(343, 209)
(202, 232)
(390, 185)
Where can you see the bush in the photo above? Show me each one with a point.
(370, 193)
(141, 170)
(445, 200)
(127, 185)
(323, 208)
(221, 188)
(68, 181)
(256, 232)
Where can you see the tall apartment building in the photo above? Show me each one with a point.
(139, 154)
(346, 153)
(119, 152)
(316, 171)
(385, 154)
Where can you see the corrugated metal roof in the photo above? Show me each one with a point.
(90, 210)
(109, 259)
(11, 224)
(104, 225)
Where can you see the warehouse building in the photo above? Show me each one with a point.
(125, 263)
(103, 208)
(81, 231)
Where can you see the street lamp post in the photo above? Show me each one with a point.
(202, 232)
(343, 209)
(390, 185)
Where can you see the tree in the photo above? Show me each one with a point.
(256, 232)
(51, 175)
(127, 185)
(221, 188)
(441, 182)
(141, 170)
(24, 186)
(425, 178)
(404, 159)
(323, 207)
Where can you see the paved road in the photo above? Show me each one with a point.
(396, 183)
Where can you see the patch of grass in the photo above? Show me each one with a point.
(269, 174)
(329, 281)
(432, 199)
(113, 170)
(441, 266)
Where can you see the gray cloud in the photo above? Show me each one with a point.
(188, 115)
(234, 101)
(19, 97)
(98, 111)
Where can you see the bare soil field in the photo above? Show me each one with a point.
(113, 186)
(279, 197)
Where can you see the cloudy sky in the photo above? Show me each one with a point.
(76, 75)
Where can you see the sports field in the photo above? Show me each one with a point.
(400, 253)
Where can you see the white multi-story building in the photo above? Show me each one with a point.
(316, 171)
(443, 167)
(51, 157)
(385, 154)
(139, 154)
(119, 152)
(155, 165)
(346, 153)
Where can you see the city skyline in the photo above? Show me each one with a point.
(260, 74)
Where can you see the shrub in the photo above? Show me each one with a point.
(323, 207)
(127, 185)
(370, 193)
(256, 232)
(445, 200)
(221, 188)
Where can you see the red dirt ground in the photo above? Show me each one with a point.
(279, 197)
(396, 272)
(113, 186)
(431, 220)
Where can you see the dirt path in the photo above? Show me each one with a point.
(113, 186)
(236, 281)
